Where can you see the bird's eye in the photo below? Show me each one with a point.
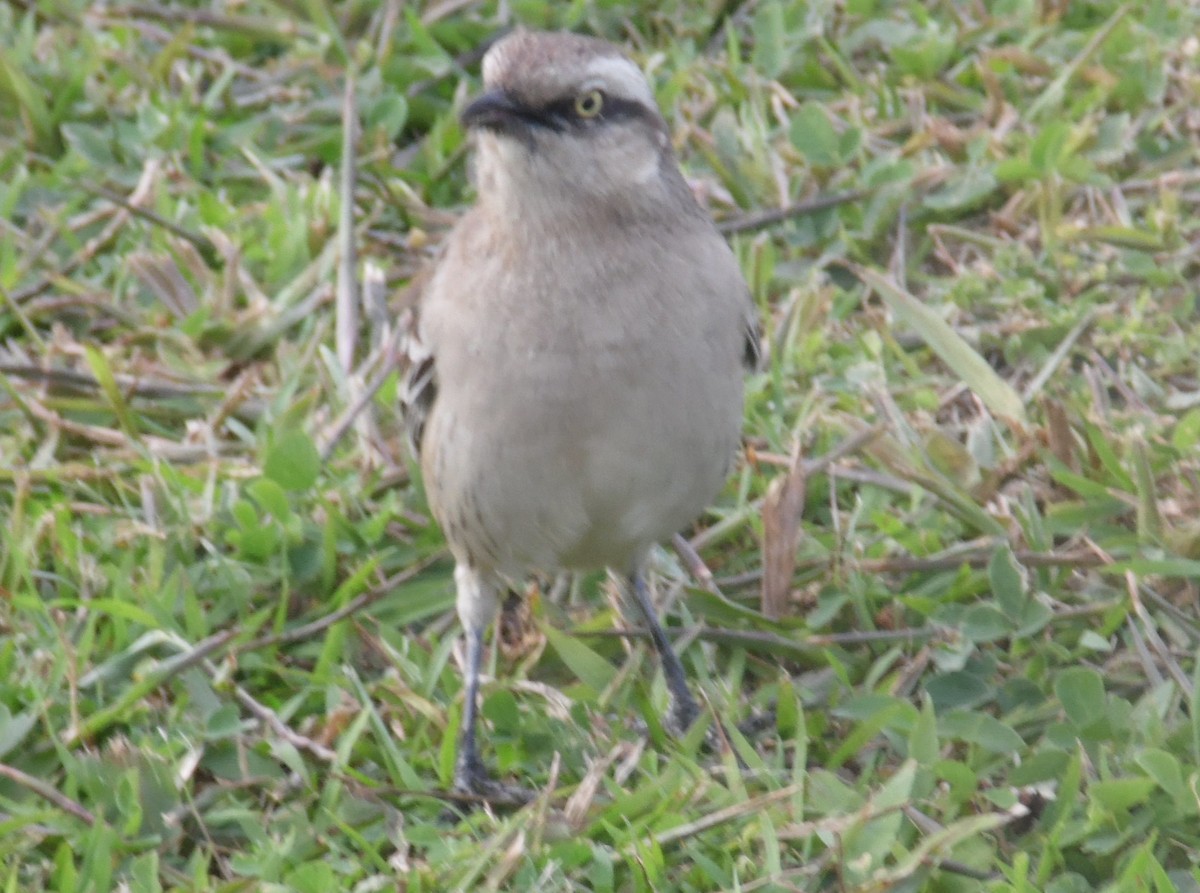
(589, 104)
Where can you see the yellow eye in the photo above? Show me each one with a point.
(589, 104)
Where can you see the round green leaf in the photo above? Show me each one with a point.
(292, 461)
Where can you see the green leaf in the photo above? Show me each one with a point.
(143, 874)
(1081, 693)
(115, 607)
(814, 136)
(982, 729)
(895, 792)
(973, 369)
(923, 740)
(768, 55)
(1149, 520)
(983, 623)
(257, 542)
(13, 729)
(1165, 769)
(788, 712)
(963, 782)
(1004, 574)
(589, 667)
(1044, 765)
(964, 190)
(244, 514)
(1049, 148)
(1143, 868)
(108, 384)
(313, 877)
(1014, 170)
(1119, 794)
(292, 461)
(1194, 708)
(270, 497)
(1187, 431)
(28, 97)
(927, 55)
(223, 723)
(389, 113)
(1093, 641)
(1033, 617)
(958, 688)
(501, 710)
(1066, 801)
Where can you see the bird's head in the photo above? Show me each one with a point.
(565, 118)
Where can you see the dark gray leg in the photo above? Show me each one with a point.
(469, 775)
(683, 706)
(477, 604)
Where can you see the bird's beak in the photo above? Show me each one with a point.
(500, 111)
(495, 108)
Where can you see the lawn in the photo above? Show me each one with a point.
(944, 618)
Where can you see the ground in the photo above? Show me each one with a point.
(952, 585)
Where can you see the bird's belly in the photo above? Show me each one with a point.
(586, 482)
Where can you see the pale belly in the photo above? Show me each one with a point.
(586, 481)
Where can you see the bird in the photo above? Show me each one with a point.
(576, 371)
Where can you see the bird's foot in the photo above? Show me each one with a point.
(473, 787)
(754, 725)
(680, 717)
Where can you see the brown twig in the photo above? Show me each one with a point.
(201, 243)
(308, 630)
(259, 27)
(803, 644)
(46, 792)
(760, 219)
(903, 564)
(129, 385)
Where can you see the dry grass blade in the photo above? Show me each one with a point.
(580, 801)
(347, 284)
(162, 277)
(1061, 352)
(1142, 616)
(781, 512)
(747, 807)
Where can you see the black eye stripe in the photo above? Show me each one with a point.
(613, 108)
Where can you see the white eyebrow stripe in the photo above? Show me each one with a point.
(620, 77)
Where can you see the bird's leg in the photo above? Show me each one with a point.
(469, 775)
(683, 710)
(477, 604)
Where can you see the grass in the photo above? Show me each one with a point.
(226, 629)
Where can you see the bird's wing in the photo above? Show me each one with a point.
(419, 389)
(752, 350)
(419, 385)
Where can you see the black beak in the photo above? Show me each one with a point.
(502, 112)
